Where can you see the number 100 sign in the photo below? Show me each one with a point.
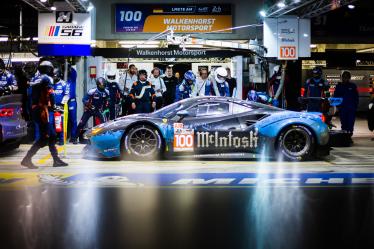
(287, 52)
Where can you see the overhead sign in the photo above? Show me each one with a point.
(287, 38)
(64, 33)
(182, 18)
(165, 53)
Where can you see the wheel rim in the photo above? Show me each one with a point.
(296, 142)
(143, 142)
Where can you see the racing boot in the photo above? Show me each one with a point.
(74, 141)
(26, 162)
(57, 162)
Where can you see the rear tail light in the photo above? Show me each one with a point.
(6, 112)
(323, 118)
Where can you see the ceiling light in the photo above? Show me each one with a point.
(263, 13)
(305, 35)
(43, 1)
(53, 8)
(281, 5)
(313, 45)
(351, 6)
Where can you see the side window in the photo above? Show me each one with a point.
(210, 109)
(237, 108)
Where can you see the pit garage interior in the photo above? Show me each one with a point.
(216, 201)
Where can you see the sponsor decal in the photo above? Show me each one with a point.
(238, 180)
(206, 139)
(183, 138)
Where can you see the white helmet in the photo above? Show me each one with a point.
(220, 74)
(111, 76)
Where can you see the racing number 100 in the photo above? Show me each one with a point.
(129, 16)
(288, 52)
(183, 141)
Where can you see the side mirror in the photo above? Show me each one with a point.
(183, 113)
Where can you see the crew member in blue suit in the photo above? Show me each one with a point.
(221, 87)
(185, 88)
(347, 110)
(8, 82)
(114, 93)
(61, 95)
(95, 101)
(72, 104)
(315, 87)
(142, 94)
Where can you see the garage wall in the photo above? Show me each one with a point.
(244, 12)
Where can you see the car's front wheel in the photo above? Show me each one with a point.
(142, 142)
(296, 143)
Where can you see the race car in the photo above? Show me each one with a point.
(212, 126)
(13, 128)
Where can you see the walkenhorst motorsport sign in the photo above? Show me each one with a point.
(64, 33)
(182, 18)
(165, 53)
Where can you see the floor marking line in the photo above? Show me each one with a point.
(45, 158)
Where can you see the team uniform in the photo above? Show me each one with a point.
(142, 94)
(183, 91)
(347, 110)
(95, 101)
(72, 103)
(114, 98)
(203, 87)
(8, 83)
(317, 88)
(170, 84)
(126, 83)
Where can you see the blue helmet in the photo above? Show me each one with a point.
(189, 75)
(317, 71)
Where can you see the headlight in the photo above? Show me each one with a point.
(96, 130)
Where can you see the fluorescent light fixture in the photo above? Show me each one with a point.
(43, 1)
(305, 35)
(313, 45)
(139, 46)
(35, 59)
(53, 8)
(281, 5)
(136, 42)
(351, 6)
(3, 39)
(263, 13)
(35, 38)
(90, 7)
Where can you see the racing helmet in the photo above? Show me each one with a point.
(111, 76)
(220, 74)
(29, 69)
(144, 72)
(317, 72)
(46, 67)
(189, 76)
(100, 83)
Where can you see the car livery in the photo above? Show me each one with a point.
(211, 126)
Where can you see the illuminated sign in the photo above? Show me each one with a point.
(181, 18)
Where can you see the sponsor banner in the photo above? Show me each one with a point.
(182, 18)
(165, 53)
(64, 50)
(287, 38)
(64, 27)
(188, 180)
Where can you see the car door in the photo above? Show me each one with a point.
(214, 127)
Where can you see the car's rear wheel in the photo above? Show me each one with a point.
(142, 142)
(296, 143)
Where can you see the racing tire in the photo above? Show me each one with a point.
(296, 143)
(143, 143)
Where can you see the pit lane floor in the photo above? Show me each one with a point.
(189, 204)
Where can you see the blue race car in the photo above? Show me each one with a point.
(212, 125)
(12, 126)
